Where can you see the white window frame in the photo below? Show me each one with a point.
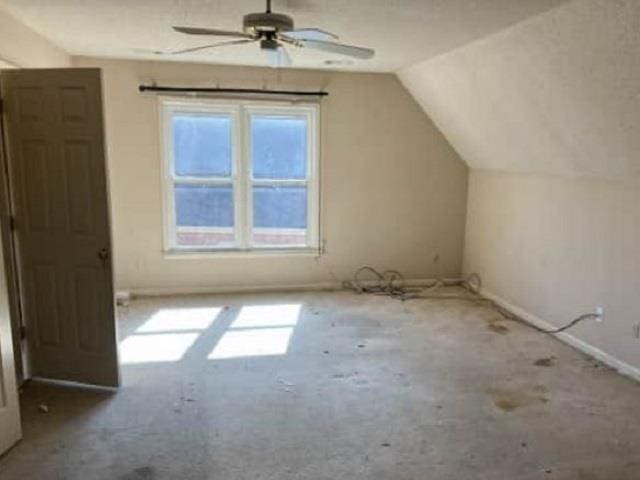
(241, 177)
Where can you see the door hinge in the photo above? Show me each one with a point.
(1, 106)
(12, 223)
(23, 332)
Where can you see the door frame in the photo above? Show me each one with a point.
(10, 258)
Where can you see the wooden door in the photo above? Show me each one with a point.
(61, 231)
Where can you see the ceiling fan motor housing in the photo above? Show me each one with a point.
(267, 22)
(269, 44)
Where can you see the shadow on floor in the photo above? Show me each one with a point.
(47, 408)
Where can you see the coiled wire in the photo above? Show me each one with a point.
(392, 283)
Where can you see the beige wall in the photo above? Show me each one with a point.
(23, 47)
(558, 247)
(555, 101)
(393, 190)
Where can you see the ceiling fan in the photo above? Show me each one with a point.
(273, 31)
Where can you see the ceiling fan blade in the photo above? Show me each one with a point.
(272, 57)
(213, 45)
(210, 31)
(339, 48)
(278, 57)
(283, 57)
(311, 34)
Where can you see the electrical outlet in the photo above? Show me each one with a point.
(600, 314)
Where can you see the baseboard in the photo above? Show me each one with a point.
(606, 358)
(68, 384)
(137, 292)
(123, 297)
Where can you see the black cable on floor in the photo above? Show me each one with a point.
(391, 283)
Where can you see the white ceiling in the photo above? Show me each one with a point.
(402, 31)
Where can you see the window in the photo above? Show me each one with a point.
(240, 176)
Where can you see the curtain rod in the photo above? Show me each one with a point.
(158, 88)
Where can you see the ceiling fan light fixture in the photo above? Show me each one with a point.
(269, 44)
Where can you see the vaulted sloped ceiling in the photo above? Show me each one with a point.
(558, 93)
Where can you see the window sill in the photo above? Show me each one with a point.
(182, 254)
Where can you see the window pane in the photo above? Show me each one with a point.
(280, 215)
(204, 215)
(279, 146)
(202, 145)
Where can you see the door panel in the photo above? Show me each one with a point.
(38, 211)
(58, 181)
(45, 317)
(78, 158)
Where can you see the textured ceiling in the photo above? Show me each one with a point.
(402, 31)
